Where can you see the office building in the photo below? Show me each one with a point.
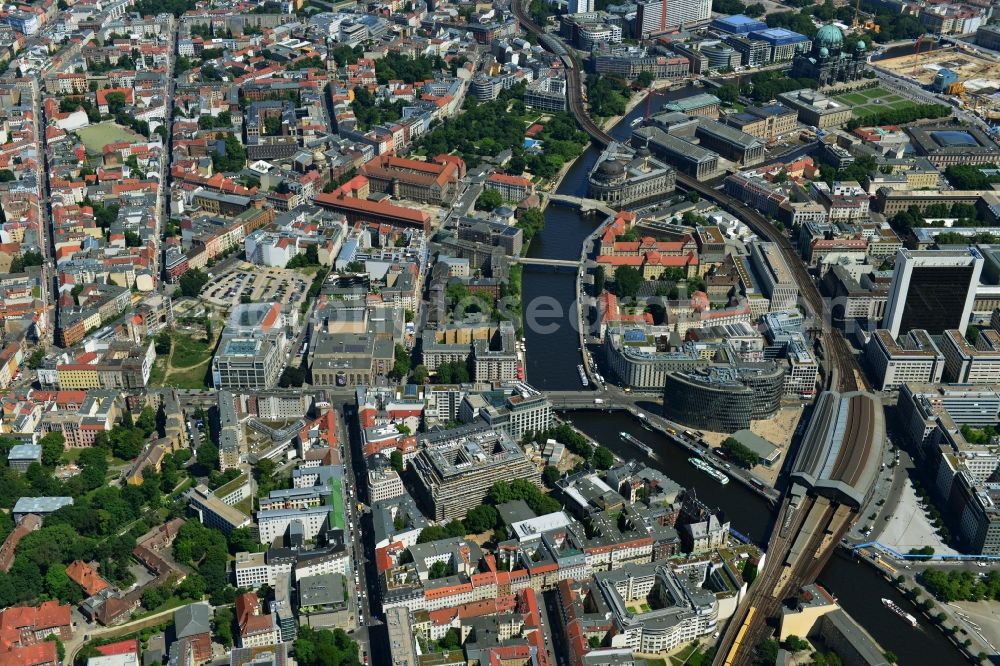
(41, 506)
(21, 456)
(434, 181)
(654, 16)
(724, 398)
(546, 94)
(251, 349)
(213, 512)
(965, 363)
(737, 24)
(690, 158)
(953, 144)
(766, 122)
(912, 357)
(629, 62)
(932, 290)
(454, 473)
(729, 142)
(775, 276)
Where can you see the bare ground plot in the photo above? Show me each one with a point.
(925, 66)
(778, 431)
(985, 615)
(909, 527)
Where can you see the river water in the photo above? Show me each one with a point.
(552, 358)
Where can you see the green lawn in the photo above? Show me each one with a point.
(245, 505)
(862, 102)
(158, 372)
(95, 137)
(691, 656)
(188, 352)
(190, 378)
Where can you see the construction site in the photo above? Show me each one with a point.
(973, 72)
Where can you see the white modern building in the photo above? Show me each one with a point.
(965, 363)
(912, 357)
(776, 277)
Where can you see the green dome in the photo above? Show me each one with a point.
(861, 45)
(824, 52)
(829, 36)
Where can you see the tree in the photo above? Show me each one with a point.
(727, 93)
(163, 343)
(550, 475)
(481, 519)
(152, 597)
(396, 460)
(489, 200)
(147, 420)
(420, 374)
(795, 644)
(740, 454)
(599, 279)
(207, 456)
(292, 376)
(891, 657)
(322, 647)
(241, 541)
(767, 652)
(644, 80)
(53, 445)
(224, 626)
(60, 648)
(627, 281)
(603, 458)
(401, 366)
(192, 282)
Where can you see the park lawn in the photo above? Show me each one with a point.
(189, 378)
(159, 371)
(853, 99)
(95, 137)
(188, 352)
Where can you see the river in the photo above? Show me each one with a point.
(552, 357)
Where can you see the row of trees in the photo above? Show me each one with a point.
(962, 215)
(960, 585)
(903, 116)
(969, 177)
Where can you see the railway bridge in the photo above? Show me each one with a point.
(833, 467)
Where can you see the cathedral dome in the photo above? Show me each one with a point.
(861, 45)
(829, 36)
(824, 52)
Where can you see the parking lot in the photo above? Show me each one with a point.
(246, 283)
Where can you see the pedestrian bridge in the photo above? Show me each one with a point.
(538, 261)
(585, 205)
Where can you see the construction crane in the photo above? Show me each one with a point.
(857, 10)
(916, 54)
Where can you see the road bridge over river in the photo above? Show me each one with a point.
(585, 205)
